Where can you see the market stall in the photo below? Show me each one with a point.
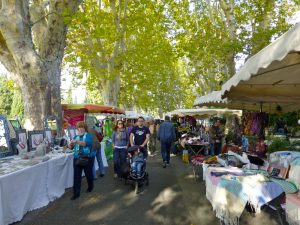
(203, 112)
(230, 189)
(28, 184)
(269, 78)
(214, 99)
(271, 75)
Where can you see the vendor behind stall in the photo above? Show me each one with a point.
(216, 135)
(261, 148)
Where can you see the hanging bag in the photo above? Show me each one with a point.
(82, 160)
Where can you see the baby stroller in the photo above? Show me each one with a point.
(138, 180)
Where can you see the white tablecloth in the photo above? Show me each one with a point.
(34, 187)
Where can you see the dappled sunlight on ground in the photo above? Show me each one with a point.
(191, 177)
(173, 197)
(130, 198)
(164, 198)
(102, 213)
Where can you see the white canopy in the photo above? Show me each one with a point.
(202, 111)
(211, 98)
(214, 99)
(131, 114)
(271, 75)
(135, 115)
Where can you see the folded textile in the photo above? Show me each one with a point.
(294, 172)
(234, 192)
(218, 174)
(287, 186)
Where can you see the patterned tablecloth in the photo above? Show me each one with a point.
(229, 191)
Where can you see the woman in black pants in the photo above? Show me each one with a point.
(82, 145)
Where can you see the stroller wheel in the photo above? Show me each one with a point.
(147, 180)
(136, 187)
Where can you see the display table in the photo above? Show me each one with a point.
(195, 149)
(293, 209)
(228, 190)
(34, 186)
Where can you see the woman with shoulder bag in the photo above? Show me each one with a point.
(83, 158)
(120, 142)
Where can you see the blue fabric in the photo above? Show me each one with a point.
(166, 132)
(119, 156)
(165, 151)
(137, 167)
(123, 140)
(263, 194)
(86, 150)
(245, 144)
(287, 186)
(100, 163)
(138, 158)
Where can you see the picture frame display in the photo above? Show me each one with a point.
(71, 132)
(5, 146)
(50, 122)
(16, 124)
(22, 141)
(35, 139)
(48, 135)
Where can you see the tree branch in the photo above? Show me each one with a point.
(53, 45)
(16, 31)
(39, 27)
(6, 57)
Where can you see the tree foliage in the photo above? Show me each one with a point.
(150, 77)
(161, 53)
(6, 96)
(11, 99)
(212, 35)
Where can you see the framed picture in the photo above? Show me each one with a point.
(48, 135)
(21, 137)
(50, 122)
(35, 139)
(71, 132)
(16, 124)
(5, 147)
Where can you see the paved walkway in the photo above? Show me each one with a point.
(172, 198)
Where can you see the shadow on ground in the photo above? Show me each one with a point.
(172, 198)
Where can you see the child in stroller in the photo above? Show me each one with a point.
(137, 162)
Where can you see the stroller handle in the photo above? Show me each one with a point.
(135, 148)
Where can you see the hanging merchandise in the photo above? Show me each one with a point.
(234, 130)
(108, 129)
(106, 145)
(254, 124)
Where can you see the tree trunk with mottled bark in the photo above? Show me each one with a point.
(32, 42)
(110, 91)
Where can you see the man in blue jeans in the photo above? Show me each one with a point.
(166, 135)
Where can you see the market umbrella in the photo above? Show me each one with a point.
(271, 75)
(214, 99)
(94, 108)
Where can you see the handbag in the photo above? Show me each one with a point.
(82, 160)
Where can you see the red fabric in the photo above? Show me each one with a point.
(99, 136)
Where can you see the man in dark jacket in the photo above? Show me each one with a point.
(166, 135)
